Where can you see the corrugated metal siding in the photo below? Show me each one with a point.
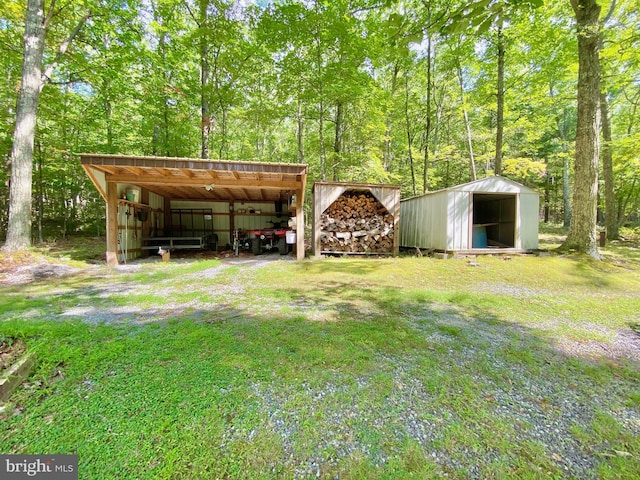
(409, 222)
(129, 233)
(529, 210)
(438, 221)
(458, 221)
(423, 221)
(245, 221)
(156, 201)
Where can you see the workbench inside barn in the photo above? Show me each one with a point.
(178, 243)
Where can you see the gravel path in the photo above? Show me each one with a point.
(529, 410)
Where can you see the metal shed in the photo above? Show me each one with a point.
(487, 215)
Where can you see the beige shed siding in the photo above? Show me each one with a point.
(245, 221)
(156, 201)
(424, 221)
(101, 182)
(529, 208)
(129, 233)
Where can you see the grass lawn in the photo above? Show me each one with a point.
(341, 368)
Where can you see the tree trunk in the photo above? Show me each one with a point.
(566, 187)
(40, 190)
(409, 137)
(566, 192)
(19, 228)
(427, 129)
(224, 153)
(436, 128)
(166, 76)
(337, 142)
(323, 174)
(386, 154)
(300, 133)
(611, 215)
(108, 112)
(547, 192)
(500, 106)
(467, 125)
(204, 83)
(582, 232)
(318, 42)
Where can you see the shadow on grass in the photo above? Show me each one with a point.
(398, 384)
(85, 249)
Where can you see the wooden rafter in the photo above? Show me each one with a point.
(200, 182)
(186, 179)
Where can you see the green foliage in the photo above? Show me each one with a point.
(332, 74)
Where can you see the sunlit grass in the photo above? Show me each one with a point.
(350, 368)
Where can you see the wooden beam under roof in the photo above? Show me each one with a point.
(135, 170)
(187, 173)
(195, 182)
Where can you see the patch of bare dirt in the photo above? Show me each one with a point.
(10, 350)
(624, 346)
(25, 267)
(27, 273)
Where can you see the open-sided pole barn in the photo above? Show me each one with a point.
(232, 191)
(485, 216)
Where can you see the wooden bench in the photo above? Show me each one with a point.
(175, 243)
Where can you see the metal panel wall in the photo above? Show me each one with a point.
(424, 221)
(459, 221)
(529, 212)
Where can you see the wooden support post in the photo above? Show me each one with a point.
(315, 227)
(112, 224)
(168, 221)
(145, 228)
(300, 224)
(396, 222)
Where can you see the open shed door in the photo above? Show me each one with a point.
(494, 220)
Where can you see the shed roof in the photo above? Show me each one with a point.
(493, 184)
(197, 179)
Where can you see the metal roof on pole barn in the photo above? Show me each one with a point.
(490, 215)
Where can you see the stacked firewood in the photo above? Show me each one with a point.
(356, 223)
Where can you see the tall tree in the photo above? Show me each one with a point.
(611, 214)
(32, 81)
(497, 163)
(467, 122)
(582, 232)
(479, 16)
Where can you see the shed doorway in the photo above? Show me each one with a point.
(494, 220)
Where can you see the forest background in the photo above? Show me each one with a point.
(423, 94)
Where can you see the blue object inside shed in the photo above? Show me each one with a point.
(479, 239)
